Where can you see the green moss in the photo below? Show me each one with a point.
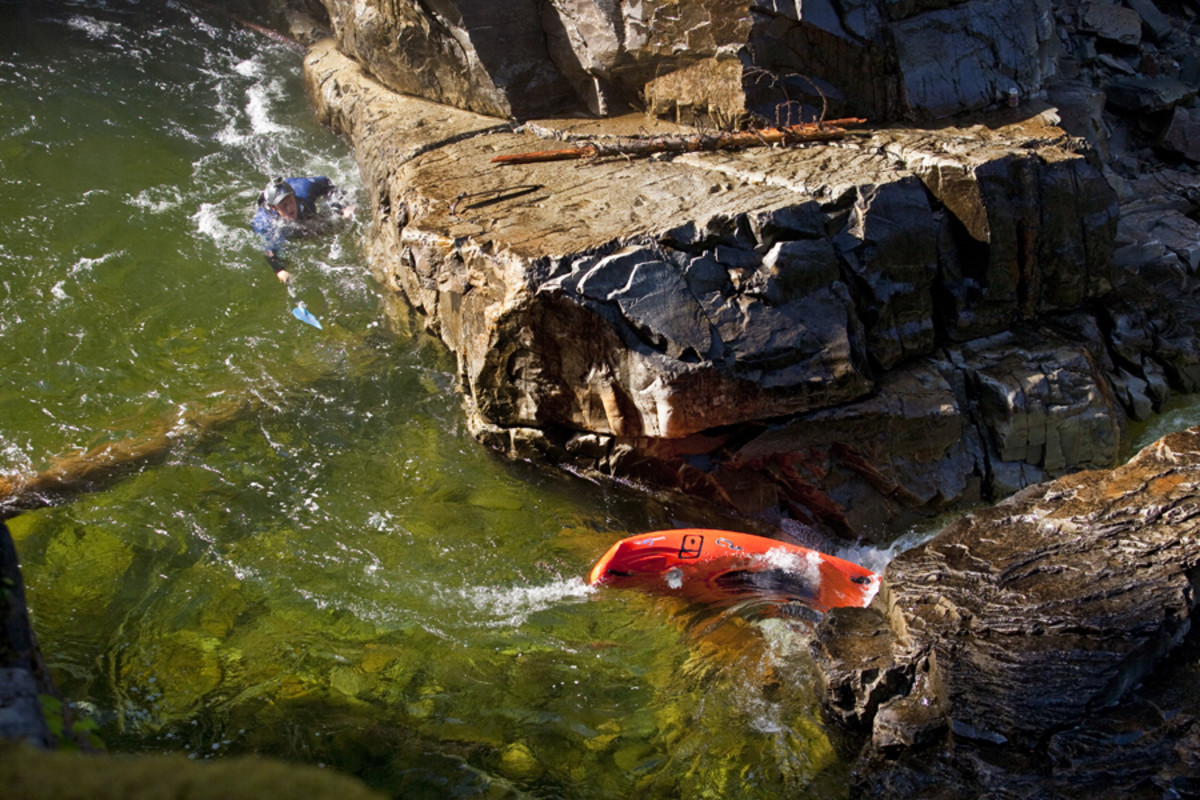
(30, 774)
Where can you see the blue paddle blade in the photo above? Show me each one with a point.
(301, 313)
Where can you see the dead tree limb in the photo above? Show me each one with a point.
(723, 140)
(104, 465)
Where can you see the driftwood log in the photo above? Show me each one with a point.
(720, 140)
(103, 465)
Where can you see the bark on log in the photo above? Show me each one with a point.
(723, 140)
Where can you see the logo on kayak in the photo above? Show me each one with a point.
(725, 542)
(691, 546)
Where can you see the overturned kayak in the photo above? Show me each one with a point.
(713, 566)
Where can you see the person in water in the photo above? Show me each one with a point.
(287, 209)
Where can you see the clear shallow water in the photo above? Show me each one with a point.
(340, 574)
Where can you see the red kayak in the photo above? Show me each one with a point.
(708, 566)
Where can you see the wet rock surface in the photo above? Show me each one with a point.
(1032, 645)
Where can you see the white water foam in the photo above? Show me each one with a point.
(255, 119)
(15, 459)
(94, 28)
(510, 607)
(208, 223)
(86, 264)
(876, 559)
(259, 99)
(250, 67)
(157, 199)
(806, 564)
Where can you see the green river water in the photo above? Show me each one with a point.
(341, 576)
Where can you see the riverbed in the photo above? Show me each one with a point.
(340, 575)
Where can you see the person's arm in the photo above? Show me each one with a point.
(273, 243)
(277, 261)
(334, 196)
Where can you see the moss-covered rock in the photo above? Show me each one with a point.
(30, 774)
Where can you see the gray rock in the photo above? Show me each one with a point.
(1182, 135)
(472, 54)
(1080, 109)
(23, 673)
(21, 717)
(1111, 21)
(893, 60)
(1153, 20)
(890, 245)
(715, 59)
(1146, 95)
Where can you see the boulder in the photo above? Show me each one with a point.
(1007, 654)
(1111, 21)
(1147, 95)
(978, 421)
(707, 294)
(1182, 134)
(1154, 21)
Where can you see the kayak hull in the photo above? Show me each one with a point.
(715, 566)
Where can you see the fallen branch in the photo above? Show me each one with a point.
(294, 44)
(723, 140)
(104, 465)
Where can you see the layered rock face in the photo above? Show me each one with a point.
(1023, 651)
(850, 334)
(847, 333)
(721, 58)
(526, 58)
(901, 60)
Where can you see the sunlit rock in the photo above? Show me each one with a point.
(645, 303)
(1021, 622)
(742, 326)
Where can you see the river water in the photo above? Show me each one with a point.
(339, 575)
